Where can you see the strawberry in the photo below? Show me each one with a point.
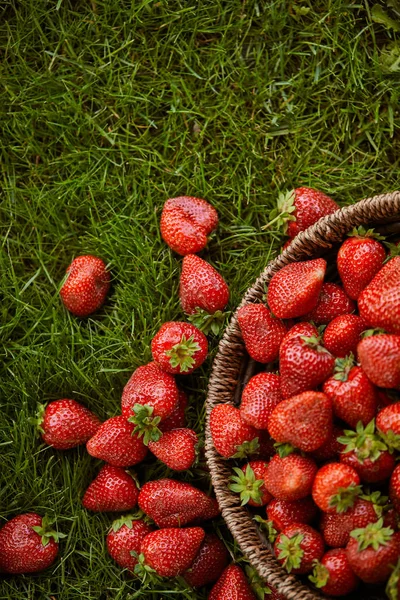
(177, 419)
(171, 503)
(335, 487)
(232, 437)
(296, 332)
(124, 539)
(305, 421)
(28, 544)
(171, 552)
(331, 448)
(249, 482)
(379, 303)
(211, 560)
(336, 527)
(150, 396)
(186, 222)
(352, 394)
(179, 348)
(294, 290)
(333, 575)
(372, 551)
(388, 425)
(379, 356)
(262, 332)
(113, 490)
(282, 513)
(297, 547)
(86, 286)
(394, 488)
(259, 397)
(342, 335)
(290, 478)
(116, 443)
(65, 424)
(359, 259)
(332, 302)
(176, 448)
(232, 585)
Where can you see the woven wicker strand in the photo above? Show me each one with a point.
(230, 369)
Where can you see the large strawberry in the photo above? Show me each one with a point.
(379, 304)
(116, 443)
(176, 448)
(342, 335)
(259, 397)
(177, 419)
(336, 487)
(170, 552)
(290, 478)
(113, 490)
(232, 585)
(65, 424)
(124, 539)
(262, 332)
(249, 482)
(297, 548)
(86, 286)
(282, 513)
(379, 356)
(294, 290)
(179, 348)
(232, 437)
(332, 302)
(334, 575)
(211, 560)
(336, 527)
(388, 425)
(186, 222)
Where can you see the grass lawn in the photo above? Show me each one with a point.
(107, 108)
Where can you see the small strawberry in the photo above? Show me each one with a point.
(249, 482)
(305, 421)
(28, 544)
(379, 303)
(86, 286)
(336, 527)
(333, 575)
(262, 332)
(176, 448)
(290, 478)
(379, 356)
(177, 419)
(171, 552)
(297, 547)
(388, 425)
(259, 398)
(179, 348)
(232, 585)
(333, 302)
(331, 448)
(359, 259)
(342, 335)
(116, 443)
(294, 290)
(124, 539)
(113, 490)
(336, 487)
(211, 560)
(394, 488)
(232, 437)
(186, 222)
(65, 424)
(282, 513)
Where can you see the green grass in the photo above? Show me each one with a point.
(108, 108)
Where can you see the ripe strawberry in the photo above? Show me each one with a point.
(177, 420)
(179, 348)
(332, 302)
(372, 552)
(113, 490)
(296, 332)
(176, 448)
(388, 425)
(186, 222)
(333, 575)
(359, 259)
(170, 552)
(124, 539)
(336, 527)
(294, 290)
(343, 334)
(305, 421)
(259, 398)
(331, 448)
(209, 563)
(282, 513)
(232, 585)
(116, 443)
(232, 437)
(65, 424)
(249, 482)
(86, 286)
(290, 478)
(379, 356)
(297, 547)
(262, 332)
(336, 487)
(394, 488)
(171, 503)
(28, 544)
(379, 304)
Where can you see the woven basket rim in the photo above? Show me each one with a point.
(228, 368)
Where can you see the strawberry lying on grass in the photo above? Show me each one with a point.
(86, 286)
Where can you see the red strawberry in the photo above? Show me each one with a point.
(113, 490)
(176, 448)
(232, 437)
(294, 290)
(86, 286)
(232, 585)
(249, 482)
(335, 488)
(336, 527)
(379, 356)
(124, 539)
(297, 331)
(186, 222)
(373, 551)
(394, 488)
(282, 513)
(170, 552)
(343, 334)
(333, 302)
(65, 424)
(331, 448)
(209, 563)
(259, 398)
(388, 425)
(333, 575)
(379, 304)
(290, 478)
(305, 421)
(171, 503)
(297, 547)
(28, 544)
(359, 259)
(262, 332)
(116, 443)
(177, 420)
(179, 348)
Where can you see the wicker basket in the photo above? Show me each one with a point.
(232, 369)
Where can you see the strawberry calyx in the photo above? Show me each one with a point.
(282, 214)
(146, 425)
(246, 485)
(128, 520)
(374, 535)
(345, 497)
(371, 332)
(320, 575)
(247, 449)
(314, 342)
(181, 354)
(379, 502)
(361, 232)
(46, 532)
(392, 588)
(207, 322)
(39, 418)
(391, 440)
(284, 449)
(257, 584)
(363, 442)
(343, 367)
(394, 250)
(267, 527)
(290, 551)
(146, 573)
